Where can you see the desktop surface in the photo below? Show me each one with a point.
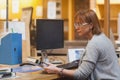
(37, 75)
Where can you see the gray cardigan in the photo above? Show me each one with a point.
(99, 61)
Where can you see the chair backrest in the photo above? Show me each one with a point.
(113, 39)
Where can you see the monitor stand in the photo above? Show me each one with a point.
(44, 56)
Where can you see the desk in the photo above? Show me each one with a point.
(38, 75)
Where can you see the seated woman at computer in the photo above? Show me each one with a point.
(99, 61)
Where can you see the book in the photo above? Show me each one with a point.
(6, 72)
(7, 75)
(26, 68)
(4, 68)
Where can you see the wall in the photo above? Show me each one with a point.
(22, 4)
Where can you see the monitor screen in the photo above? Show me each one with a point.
(49, 34)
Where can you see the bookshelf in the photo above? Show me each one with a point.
(114, 11)
(68, 10)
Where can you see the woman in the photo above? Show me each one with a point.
(99, 61)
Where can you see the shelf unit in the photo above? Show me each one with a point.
(114, 11)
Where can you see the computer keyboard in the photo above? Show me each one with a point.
(70, 65)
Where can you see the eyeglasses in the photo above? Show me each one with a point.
(80, 25)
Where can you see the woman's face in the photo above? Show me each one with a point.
(83, 29)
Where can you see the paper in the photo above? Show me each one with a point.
(27, 68)
(3, 35)
(15, 6)
(75, 54)
(17, 27)
(39, 11)
(3, 13)
(51, 10)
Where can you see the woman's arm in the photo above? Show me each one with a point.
(82, 72)
(63, 72)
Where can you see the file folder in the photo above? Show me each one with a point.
(11, 49)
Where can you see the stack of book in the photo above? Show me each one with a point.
(6, 72)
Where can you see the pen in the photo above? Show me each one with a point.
(46, 63)
(42, 63)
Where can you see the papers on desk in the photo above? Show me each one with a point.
(17, 27)
(27, 68)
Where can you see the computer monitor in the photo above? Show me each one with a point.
(49, 34)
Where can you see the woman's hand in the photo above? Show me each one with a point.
(51, 69)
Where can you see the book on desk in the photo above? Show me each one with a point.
(6, 72)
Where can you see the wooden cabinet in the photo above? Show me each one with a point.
(114, 11)
(68, 10)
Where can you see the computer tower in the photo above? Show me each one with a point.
(11, 49)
